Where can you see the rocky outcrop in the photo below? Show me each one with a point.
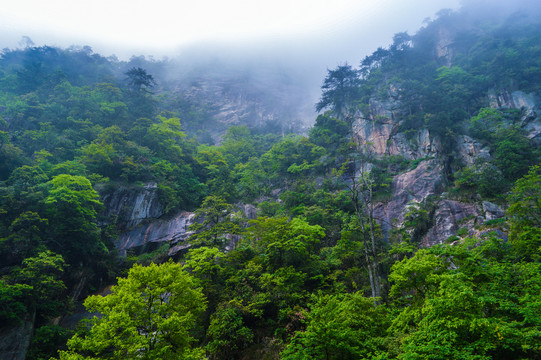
(470, 151)
(249, 210)
(131, 206)
(444, 48)
(380, 137)
(449, 216)
(377, 134)
(530, 104)
(492, 211)
(414, 185)
(514, 100)
(15, 340)
(252, 98)
(173, 230)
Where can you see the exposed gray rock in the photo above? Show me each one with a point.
(444, 48)
(514, 100)
(380, 137)
(447, 220)
(249, 98)
(492, 211)
(417, 184)
(373, 134)
(15, 340)
(173, 231)
(528, 103)
(131, 206)
(471, 151)
(250, 211)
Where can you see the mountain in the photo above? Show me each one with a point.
(405, 223)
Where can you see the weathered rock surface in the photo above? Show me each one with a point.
(377, 134)
(415, 185)
(253, 98)
(15, 340)
(250, 211)
(381, 138)
(492, 211)
(449, 216)
(173, 231)
(471, 151)
(131, 206)
(530, 104)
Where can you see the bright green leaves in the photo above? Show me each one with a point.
(524, 215)
(72, 205)
(217, 172)
(73, 194)
(283, 242)
(228, 335)
(466, 302)
(339, 327)
(217, 222)
(204, 262)
(148, 315)
(416, 276)
(43, 274)
(166, 138)
(35, 287)
(12, 306)
(292, 154)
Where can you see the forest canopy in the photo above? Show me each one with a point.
(288, 253)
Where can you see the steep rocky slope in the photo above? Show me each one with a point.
(379, 134)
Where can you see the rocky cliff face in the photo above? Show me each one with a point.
(139, 214)
(173, 230)
(15, 339)
(259, 98)
(378, 135)
(132, 206)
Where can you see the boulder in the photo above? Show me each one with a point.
(492, 211)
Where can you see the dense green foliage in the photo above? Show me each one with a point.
(313, 275)
(150, 314)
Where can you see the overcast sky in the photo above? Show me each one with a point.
(348, 28)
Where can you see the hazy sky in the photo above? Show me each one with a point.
(163, 27)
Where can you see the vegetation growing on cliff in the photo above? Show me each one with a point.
(314, 274)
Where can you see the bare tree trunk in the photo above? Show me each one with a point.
(361, 194)
(370, 253)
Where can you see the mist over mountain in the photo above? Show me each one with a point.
(329, 196)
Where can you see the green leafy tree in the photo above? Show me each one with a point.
(285, 243)
(217, 172)
(524, 214)
(25, 238)
(148, 315)
(340, 327)
(340, 90)
(140, 80)
(72, 205)
(217, 222)
(466, 302)
(43, 289)
(12, 304)
(227, 333)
